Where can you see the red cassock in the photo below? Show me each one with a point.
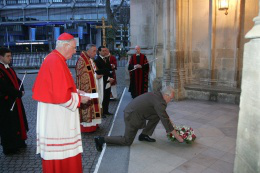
(138, 77)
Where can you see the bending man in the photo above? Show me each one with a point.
(149, 106)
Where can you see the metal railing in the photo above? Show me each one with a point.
(34, 60)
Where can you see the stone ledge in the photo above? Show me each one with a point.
(213, 93)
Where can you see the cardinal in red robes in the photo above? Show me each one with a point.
(58, 129)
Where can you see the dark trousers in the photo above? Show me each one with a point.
(131, 131)
(106, 99)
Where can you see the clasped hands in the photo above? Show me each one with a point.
(137, 66)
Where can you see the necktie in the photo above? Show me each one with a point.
(105, 59)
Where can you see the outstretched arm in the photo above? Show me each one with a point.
(166, 121)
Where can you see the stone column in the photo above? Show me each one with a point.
(167, 44)
(142, 29)
(157, 70)
(248, 142)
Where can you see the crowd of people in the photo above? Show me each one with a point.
(66, 108)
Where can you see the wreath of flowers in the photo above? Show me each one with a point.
(187, 133)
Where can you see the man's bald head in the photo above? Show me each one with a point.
(138, 49)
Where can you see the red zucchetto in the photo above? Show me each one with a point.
(65, 36)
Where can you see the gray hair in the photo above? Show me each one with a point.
(60, 43)
(167, 90)
(89, 46)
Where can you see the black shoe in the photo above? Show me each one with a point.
(146, 138)
(108, 113)
(99, 141)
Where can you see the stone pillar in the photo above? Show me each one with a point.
(142, 31)
(157, 70)
(166, 43)
(177, 47)
(248, 142)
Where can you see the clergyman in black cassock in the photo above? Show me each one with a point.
(13, 123)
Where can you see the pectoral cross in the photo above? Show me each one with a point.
(103, 27)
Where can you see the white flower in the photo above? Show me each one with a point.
(189, 138)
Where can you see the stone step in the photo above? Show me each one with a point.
(220, 94)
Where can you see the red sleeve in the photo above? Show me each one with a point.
(113, 61)
(79, 101)
(54, 83)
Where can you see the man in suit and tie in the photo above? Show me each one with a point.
(104, 68)
(150, 106)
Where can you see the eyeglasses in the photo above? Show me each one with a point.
(75, 48)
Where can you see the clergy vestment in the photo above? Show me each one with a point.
(90, 113)
(58, 127)
(138, 77)
(13, 124)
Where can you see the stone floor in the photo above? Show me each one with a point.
(213, 151)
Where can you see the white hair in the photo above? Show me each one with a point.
(89, 46)
(167, 90)
(60, 43)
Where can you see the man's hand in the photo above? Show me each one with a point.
(137, 66)
(113, 66)
(85, 99)
(177, 136)
(80, 92)
(111, 80)
(99, 76)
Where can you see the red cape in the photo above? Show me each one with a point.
(54, 83)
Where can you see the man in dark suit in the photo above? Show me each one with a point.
(104, 68)
(149, 106)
